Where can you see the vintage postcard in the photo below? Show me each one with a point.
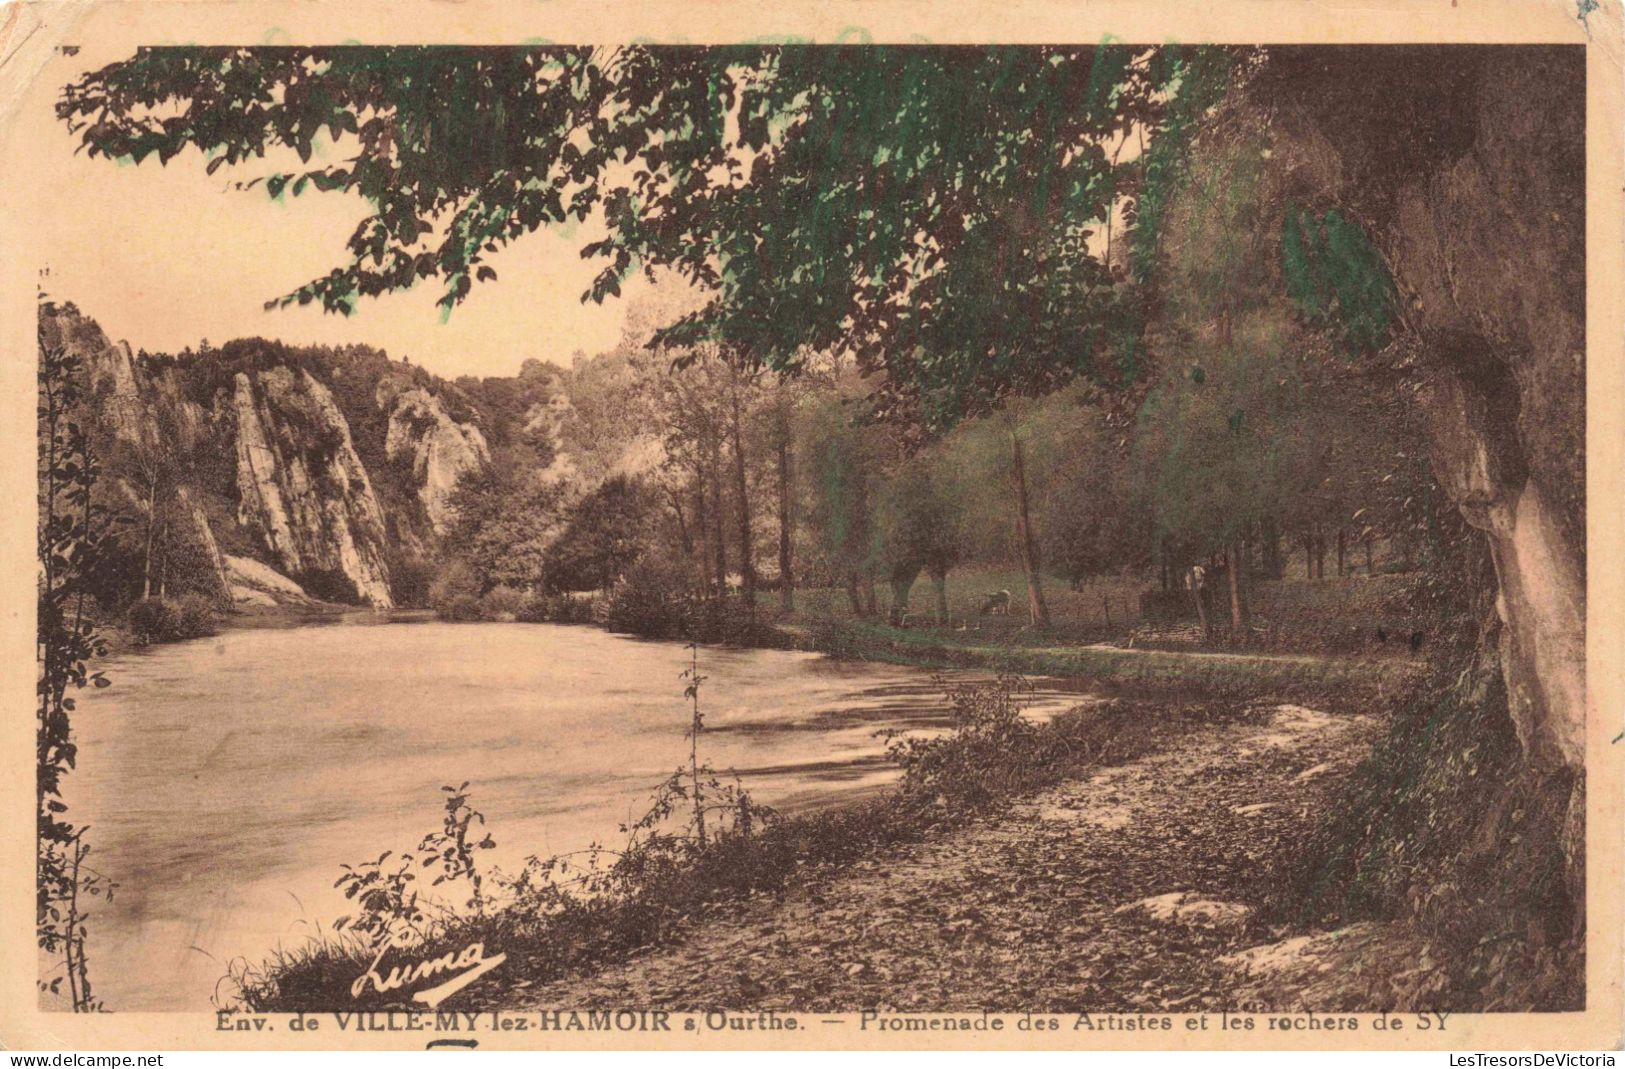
(718, 525)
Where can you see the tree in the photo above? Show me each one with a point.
(919, 522)
(607, 531)
(73, 531)
(1091, 516)
(841, 449)
(506, 521)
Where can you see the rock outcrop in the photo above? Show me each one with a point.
(311, 471)
(301, 486)
(1477, 199)
(438, 450)
(254, 583)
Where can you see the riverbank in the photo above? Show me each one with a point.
(1118, 858)
(122, 639)
(1103, 658)
(1132, 888)
(1344, 682)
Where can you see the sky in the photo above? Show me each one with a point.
(165, 256)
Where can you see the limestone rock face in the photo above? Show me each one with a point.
(319, 470)
(110, 372)
(1483, 230)
(254, 583)
(438, 449)
(301, 486)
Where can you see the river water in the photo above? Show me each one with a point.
(225, 780)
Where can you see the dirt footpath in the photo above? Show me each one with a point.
(1117, 892)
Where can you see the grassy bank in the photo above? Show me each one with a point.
(1338, 681)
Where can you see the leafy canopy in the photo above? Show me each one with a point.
(930, 209)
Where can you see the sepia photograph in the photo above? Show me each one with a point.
(811, 538)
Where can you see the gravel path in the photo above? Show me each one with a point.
(1034, 909)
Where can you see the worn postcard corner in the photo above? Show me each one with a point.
(823, 527)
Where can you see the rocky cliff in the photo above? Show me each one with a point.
(435, 448)
(263, 474)
(1472, 183)
(302, 490)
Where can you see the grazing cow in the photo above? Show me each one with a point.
(996, 603)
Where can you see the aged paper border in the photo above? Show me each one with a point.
(30, 75)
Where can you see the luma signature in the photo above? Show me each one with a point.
(464, 967)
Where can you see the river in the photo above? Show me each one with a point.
(225, 780)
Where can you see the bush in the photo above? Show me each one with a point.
(501, 603)
(410, 578)
(460, 608)
(163, 620)
(540, 608)
(652, 599)
(1429, 827)
(454, 590)
(152, 620)
(328, 584)
(194, 617)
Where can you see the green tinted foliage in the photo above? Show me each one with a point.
(1199, 79)
(1336, 277)
(919, 519)
(1088, 515)
(1224, 449)
(840, 470)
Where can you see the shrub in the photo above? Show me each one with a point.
(501, 602)
(460, 608)
(410, 578)
(328, 584)
(152, 620)
(992, 748)
(163, 620)
(454, 590)
(194, 617)
(540, 608)
(1428, 827)
(651, 599)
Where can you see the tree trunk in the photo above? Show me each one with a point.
(152, 528)
(162, 539)
(940, 583)
(718, 539)
(1196, 596)
(702, 527)
(787, 520)
(1037, 611)
(1342, 553)
(901, 587)
(684, 536)
(747, 567)
(1274, 566)
(1238, 614)
(871, 601)
(852, 594)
